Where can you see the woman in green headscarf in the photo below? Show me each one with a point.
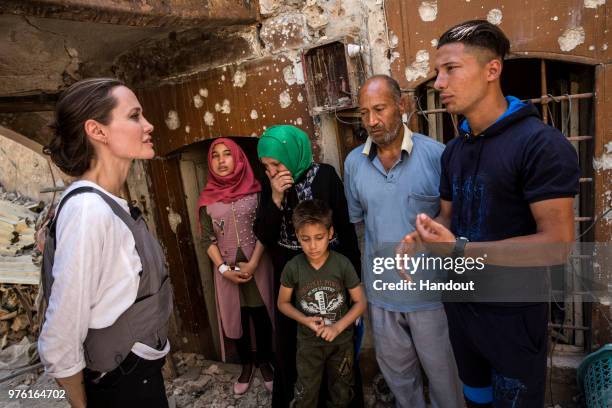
(288, 145)
(286, 153)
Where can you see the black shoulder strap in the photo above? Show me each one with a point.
(117, 209)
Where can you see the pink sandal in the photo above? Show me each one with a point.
(240, 388)
(268, 385)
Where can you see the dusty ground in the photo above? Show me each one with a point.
(199, 383)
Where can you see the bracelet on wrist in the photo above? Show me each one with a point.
(223, 268)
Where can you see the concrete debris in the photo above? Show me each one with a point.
(18, 317)
(203, 383)
(19, 267)
(199, 383)
(19, 355)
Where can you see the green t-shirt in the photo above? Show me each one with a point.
(321, 292)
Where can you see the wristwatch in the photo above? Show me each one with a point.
(459, 249)
(223, 268)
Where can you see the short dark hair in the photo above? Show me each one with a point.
(392, 84)
(70, 149)
(311, 212)
(480, 34)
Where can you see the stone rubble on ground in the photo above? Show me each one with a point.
(19, 267)
(203, 383)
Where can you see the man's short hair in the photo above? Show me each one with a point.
(479, 34)
(392, 84)
(311, 212)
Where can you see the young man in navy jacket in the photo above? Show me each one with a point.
(507, 181)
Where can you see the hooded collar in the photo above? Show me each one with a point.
(516, 110)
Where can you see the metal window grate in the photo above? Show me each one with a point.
(565, 102)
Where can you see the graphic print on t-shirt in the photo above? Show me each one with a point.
(323, 298)
(469, 207)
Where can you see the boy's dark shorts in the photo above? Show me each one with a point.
(312, 361)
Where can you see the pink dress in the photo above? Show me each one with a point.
(233, 228)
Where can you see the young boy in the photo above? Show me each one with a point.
(320, 279)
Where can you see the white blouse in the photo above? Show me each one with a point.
(95, 273)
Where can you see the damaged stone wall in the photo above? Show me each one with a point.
(234, 100)
(235, 81)
(602, 164)
(47, 55)
(24, 170)
(557, 29)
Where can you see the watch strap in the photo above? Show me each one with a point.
(459, 249)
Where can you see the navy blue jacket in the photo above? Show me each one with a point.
(491, 178)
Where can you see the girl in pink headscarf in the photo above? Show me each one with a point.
(243, 272)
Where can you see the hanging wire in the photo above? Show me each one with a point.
(564, 126)
(345, 122)
(420, 110)
(597, 218)
(569, 115)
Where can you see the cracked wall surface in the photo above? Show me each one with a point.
(572, 30)
(41, 65)
(47, 55)
(26, 171)
(184, 63)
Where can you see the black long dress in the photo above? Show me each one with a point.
(269, 223)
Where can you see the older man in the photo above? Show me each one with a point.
(388, 181)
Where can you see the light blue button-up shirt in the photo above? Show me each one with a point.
(388, 202)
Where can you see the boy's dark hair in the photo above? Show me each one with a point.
(480, 34)
(311, 212)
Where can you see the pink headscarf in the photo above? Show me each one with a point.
(239, 183)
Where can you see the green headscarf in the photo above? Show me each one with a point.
(289, 145)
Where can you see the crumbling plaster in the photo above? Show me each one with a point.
(286, 28)
(25, 170)
(68, 50)
(46, 55)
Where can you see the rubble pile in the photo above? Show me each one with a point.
(17, 314)
(19, 267)
(202, 383)
(18, 217)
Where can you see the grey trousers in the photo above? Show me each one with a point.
(406, 341)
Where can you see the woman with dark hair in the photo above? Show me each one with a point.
(104, 277)
(293, 177)
(243, 278)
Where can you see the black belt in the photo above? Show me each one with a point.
(126, 366)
